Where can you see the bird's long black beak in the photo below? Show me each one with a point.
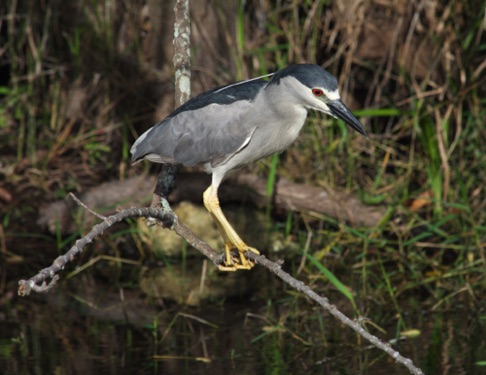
(340, 111)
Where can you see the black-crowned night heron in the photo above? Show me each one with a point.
(238, 124)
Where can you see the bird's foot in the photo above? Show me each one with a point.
(235, 258)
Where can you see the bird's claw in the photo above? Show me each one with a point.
(235, 259)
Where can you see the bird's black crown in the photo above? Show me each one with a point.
(310, 75)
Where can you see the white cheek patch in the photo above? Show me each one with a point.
(332, 95)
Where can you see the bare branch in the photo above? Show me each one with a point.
(40, 283)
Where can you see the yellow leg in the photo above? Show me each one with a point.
(231, 238)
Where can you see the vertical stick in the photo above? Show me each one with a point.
(182, 64)
(182, 52)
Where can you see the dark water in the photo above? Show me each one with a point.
(107, 332)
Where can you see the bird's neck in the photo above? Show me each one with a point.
(287, 119)
(284, 105)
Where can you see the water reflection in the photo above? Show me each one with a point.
(58, 334)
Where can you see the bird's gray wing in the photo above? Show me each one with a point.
(210, 134)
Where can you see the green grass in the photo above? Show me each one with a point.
(332, 279)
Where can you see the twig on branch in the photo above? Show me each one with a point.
(74, 198)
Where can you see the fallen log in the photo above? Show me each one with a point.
(137, 192)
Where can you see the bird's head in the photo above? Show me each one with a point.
(316, 89)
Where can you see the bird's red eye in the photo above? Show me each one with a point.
(317, 92)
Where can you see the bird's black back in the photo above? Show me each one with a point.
(244, 90)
